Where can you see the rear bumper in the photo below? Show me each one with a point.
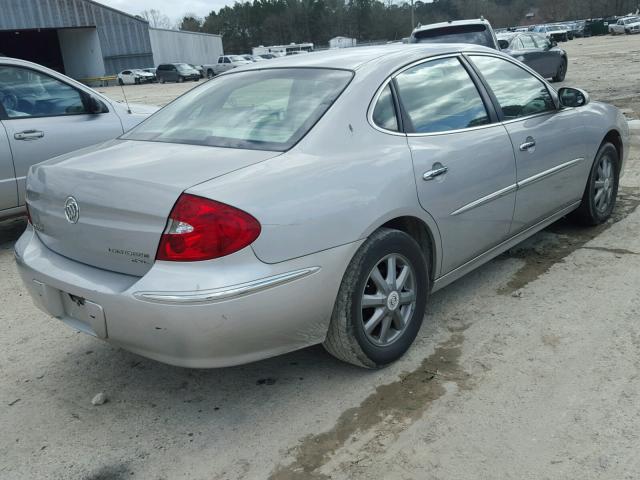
(224, 312)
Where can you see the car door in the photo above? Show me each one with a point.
(548, 142)
(549, 57)
(45, 117)
(127, 77)
(463, 160)
(8, 185)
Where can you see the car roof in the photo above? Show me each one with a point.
(433, 26)
(355, 58)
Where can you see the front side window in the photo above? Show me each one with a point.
(260, 110)
(439, 96)
(519, 93)
(384, 113)
(28, 93)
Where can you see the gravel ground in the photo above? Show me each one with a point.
(525, 369)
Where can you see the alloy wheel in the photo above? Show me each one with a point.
(604, 183)
(388, 300)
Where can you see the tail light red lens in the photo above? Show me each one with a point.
(202, 229)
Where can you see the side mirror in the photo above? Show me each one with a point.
(503, 44)
(573, 97)
(95, 106)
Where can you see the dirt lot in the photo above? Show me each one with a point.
(525, 369)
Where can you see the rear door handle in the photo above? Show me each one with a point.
(431, 174)
(28, 135)
(530, 143)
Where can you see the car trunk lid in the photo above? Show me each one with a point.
(123, 192)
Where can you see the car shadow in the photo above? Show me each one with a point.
(10, 231)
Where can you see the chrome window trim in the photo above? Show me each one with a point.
(224, 293)
(374, 101)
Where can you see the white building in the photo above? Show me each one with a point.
(342, 42)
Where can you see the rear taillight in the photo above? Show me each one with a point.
(203, 229)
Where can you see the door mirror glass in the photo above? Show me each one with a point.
(503, 44)
(573, 97)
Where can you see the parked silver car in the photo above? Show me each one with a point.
(316, 199)
(43, 114)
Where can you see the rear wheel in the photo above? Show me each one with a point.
(562, 71)
(161, 79)
(180, 79)
(210, 73)
(120, 82)
(381, 301)
(601, 191)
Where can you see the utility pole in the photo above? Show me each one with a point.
(413, 22)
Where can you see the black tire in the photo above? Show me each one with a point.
(120, 82)
(162, 80)
(562, 71)
(210, 73)
(588, 213)
(136, 81)
(346, 338)
(180, 79)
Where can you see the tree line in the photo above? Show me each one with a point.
(275, 22)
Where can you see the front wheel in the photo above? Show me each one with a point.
(601, 191)
(210, 73)
(381, 301)
(120, 82)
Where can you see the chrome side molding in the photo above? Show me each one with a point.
(224, 293)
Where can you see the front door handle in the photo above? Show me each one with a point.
(28, 135)
(528, 144)
(431, 174)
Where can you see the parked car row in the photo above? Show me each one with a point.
(628, 25)
(536, 50)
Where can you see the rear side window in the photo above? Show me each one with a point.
(384, 113)
(475, 34)
(262, 110)
(438, 96)
(519, 93)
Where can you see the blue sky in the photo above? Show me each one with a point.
(172, 8)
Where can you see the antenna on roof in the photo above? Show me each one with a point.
(125, 98)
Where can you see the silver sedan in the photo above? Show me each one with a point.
(319, 199)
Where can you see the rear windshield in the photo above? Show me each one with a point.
(476, 34)
(259, 109)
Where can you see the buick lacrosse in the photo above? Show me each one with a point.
(318, 199)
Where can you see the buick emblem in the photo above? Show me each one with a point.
(71, 210)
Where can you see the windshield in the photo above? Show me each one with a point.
(476, 34)
(237, 58)
(260, 110)
(630, 20)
